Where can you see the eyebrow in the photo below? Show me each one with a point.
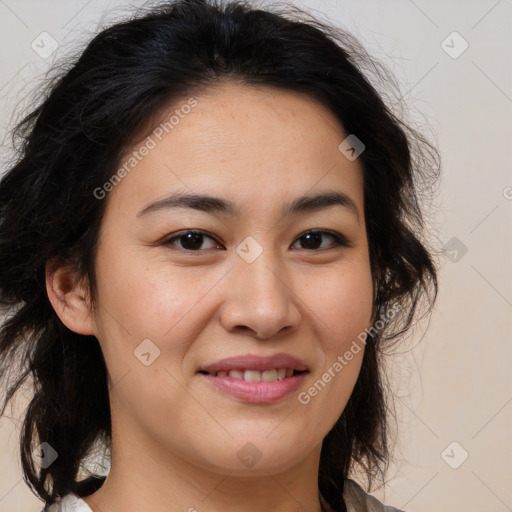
(211, 204)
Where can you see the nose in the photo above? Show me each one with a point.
(260, 299)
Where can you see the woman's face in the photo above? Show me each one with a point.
(255, 282)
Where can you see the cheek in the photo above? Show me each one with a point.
(147, 297)
(144, 308)
(150, 299)
(343, 303)
(343, 306)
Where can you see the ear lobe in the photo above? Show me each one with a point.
(69, 298)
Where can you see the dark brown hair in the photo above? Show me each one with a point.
(70, 145)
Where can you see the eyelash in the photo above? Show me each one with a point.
(339, 239)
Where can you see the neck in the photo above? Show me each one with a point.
(146, 478)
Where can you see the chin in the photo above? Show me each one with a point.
(255, 456)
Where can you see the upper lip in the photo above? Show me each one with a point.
(254, 362)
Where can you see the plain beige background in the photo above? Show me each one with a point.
(453, 379)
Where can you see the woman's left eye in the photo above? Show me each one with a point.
(312, 239)
(192, 240)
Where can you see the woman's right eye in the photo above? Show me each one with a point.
(191, 240)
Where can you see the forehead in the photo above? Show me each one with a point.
(241, 141)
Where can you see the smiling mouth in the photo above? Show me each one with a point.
(271, 375)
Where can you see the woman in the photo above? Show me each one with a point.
(210, 236)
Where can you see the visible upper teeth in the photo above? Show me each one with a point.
(256, 376)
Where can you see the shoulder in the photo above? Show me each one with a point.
(68, 503)
(357, 500)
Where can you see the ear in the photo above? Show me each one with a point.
(69, 298)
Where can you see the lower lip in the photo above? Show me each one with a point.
(257, 392)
